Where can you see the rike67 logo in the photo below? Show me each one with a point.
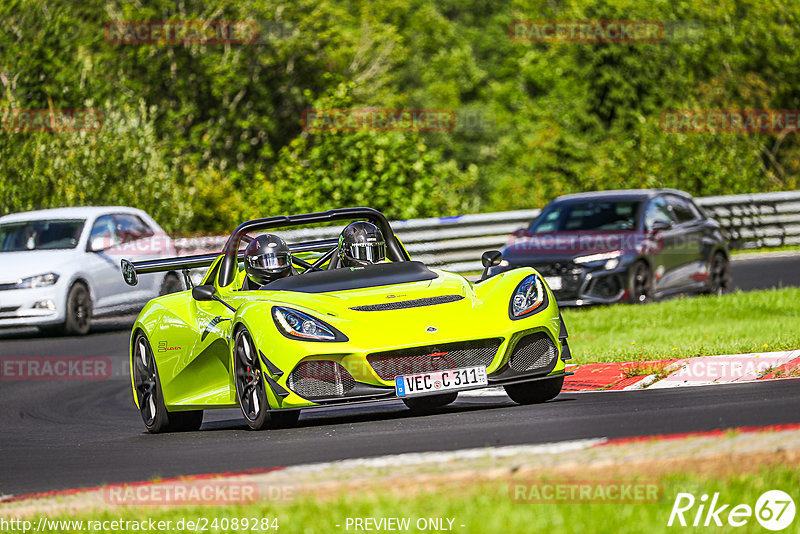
(774, 510)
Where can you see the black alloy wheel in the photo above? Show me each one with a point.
(249, 381)
(641, 284)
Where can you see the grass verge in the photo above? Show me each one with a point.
(736, 323)
(782, 248)
(488, 507)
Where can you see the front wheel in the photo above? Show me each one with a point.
(78, 319)
(249, 381)
(430, 402)
(641, 284)
(150, 397)
(535, 392)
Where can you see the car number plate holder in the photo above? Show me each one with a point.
(452, 379)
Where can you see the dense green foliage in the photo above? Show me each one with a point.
(203, 135)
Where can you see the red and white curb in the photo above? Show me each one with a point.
(670, 373)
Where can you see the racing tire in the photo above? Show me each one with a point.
(171, 284)
(430, 403)
(78, 314)
(535, 392)
(718, 274)
(249, 380)
(641, 284)
(150, 398)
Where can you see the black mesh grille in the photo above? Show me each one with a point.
(533, 352)
(320, 379)
(431, 301)
(9, 309)
(390, 364)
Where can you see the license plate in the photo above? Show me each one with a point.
(554, 282)
(410, 385)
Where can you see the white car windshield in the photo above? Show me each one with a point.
(40, 235)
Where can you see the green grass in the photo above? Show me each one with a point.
(736, 323)
(487, 508)
(782, 248)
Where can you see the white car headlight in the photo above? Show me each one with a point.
(42, 280)
(299, 325)
(528, 297)
(611, 259)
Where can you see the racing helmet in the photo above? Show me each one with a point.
(267, 258)
(361, 243)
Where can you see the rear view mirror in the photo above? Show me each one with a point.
(204, 293)
(489, 259)
(98, 244)
(659, 226)
(208, 293)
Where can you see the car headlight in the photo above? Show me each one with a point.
(528, 298)
(611, 259)
(298, 325)
(42, 280)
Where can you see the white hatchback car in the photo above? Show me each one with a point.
(59, 268)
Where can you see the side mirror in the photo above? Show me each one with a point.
(208, 293)
(659, 226)
(489, 259)
(98, 244)
(204, 293)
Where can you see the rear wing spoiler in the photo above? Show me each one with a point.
(132, 269)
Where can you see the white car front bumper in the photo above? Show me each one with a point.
(29, 307)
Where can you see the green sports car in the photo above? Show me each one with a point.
(337, 335)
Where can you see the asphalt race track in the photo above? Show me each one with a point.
(60, 434)
(752, 273)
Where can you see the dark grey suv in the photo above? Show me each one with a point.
(626, 245)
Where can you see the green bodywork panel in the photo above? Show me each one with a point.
(191, 340)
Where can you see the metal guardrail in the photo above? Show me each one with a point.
(456, 243)
(757, 220)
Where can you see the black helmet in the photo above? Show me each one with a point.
(267, 258)
(361, 243)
